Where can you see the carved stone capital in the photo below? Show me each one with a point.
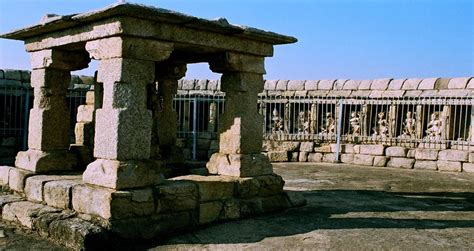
(129, 47)
(236, 62)
(59, 59)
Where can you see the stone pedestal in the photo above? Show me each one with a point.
(48, 130)
(240, 140)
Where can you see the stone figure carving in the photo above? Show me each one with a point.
(434, 127)
(277, 121)
(212, 116)
(329, 126)
(355, 123)
(409, 125)
(381, 130)
(303, 122)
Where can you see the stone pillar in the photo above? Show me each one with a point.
(241, 125)
(48, 130)
(213, 116)
(419, 121)
(167, 76)
(392, 119)
(471, 128)
(446, 122)
(123, 123)
(314, 119)
(84, 131)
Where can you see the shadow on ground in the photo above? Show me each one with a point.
(341, 209)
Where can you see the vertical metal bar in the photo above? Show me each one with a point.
(194, 128)
(26, 113)
(339, 126)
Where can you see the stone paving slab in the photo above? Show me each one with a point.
(349, 208)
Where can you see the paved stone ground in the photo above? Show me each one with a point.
(349, 208)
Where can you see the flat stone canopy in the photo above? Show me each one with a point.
(195, 35)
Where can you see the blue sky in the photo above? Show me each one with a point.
(357, 39)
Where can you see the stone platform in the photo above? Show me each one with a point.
(78, 215)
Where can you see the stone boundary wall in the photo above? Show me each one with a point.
(386, 87)
(377, 88)
(21, 78)
(448, 160)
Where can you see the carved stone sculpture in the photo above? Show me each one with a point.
(434, 127)
(277, 121)
(381, 130)
(409, 126)
(329, 126)
(355, 123)
(303, 122)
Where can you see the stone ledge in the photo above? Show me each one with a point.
(59, 226)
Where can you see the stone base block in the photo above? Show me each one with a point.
(45, 162)
(449, 166)
(239, 165)
(468, 167)
(24, 212)
(59, 193)
(396, 151)
(364, 160)
(380, 161)
(122, 174)
(372, 149)
(111, 204)
(347, 158)
(401, 162)
(454, 155)
(17, 178)
(303, 157)
(278, 156)
(4, 173)
(426, 154)
(329, 158)
(60, 226)
(315, 157)
(426, 165)
(34, 186)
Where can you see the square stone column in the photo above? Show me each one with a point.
(123, 123)
(48, 130)
(165, 118)
(240, 142)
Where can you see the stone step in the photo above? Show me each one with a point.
(62, 226)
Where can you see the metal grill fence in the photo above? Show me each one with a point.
(427, 122)
(15, 105)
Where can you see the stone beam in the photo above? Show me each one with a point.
(129, 47)
(235, 62)
(186, 37)
(74, 35)
(58, 59)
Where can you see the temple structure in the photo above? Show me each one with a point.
(138, 47)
